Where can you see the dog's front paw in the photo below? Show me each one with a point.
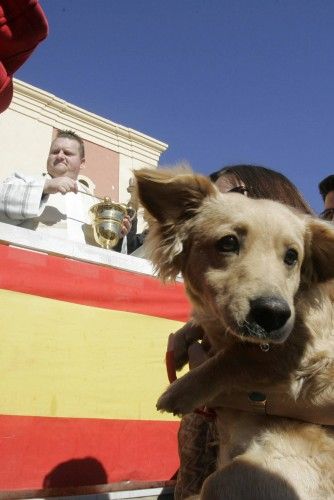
(167, 402)
(175, 400)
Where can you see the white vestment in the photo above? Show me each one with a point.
(65, 216)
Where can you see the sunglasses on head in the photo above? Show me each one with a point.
(327, 214)
(239, 189)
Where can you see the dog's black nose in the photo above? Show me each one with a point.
(271, 313)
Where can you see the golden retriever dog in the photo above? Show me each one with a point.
(258, 275)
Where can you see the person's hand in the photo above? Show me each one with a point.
(126, 226)
(182, 340)
(280, 405)
(61, 185)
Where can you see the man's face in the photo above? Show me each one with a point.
(329, 200)
(64, 158)
(328, 213)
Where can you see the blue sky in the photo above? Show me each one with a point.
(222, 82)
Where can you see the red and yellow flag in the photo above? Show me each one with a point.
(81, 367)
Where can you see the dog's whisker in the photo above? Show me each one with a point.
(255, 330)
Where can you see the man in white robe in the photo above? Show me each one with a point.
(55, 203)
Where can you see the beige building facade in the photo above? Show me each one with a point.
(112, 150)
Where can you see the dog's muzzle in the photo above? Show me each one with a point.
(267, 318)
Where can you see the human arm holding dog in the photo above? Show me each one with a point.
(282, 405)
(228, 369)
(188, 349)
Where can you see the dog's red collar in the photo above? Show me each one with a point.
(170, 364)
(171, 372)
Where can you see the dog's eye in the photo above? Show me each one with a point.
(291, 257)
(228, 243)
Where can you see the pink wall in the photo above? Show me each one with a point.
(102, 166)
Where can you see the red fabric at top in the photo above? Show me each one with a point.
(90, 284)
(22, 26)
(6, 88)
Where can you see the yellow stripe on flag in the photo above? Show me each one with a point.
(62, 359)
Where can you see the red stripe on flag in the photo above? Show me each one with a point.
(39, 452)
(90, 284)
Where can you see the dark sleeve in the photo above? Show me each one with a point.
(132, 237)
(118, 247)
(134, 240)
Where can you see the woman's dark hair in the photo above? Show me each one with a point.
(262, 182)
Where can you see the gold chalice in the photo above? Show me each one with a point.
(107, 217)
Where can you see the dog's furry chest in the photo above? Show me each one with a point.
(302, 452)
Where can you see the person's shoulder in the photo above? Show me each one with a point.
(22, 177)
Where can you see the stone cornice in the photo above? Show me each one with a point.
(49, 109)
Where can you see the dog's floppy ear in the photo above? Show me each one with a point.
(172, 194)
(320, 251)
(171, 197)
